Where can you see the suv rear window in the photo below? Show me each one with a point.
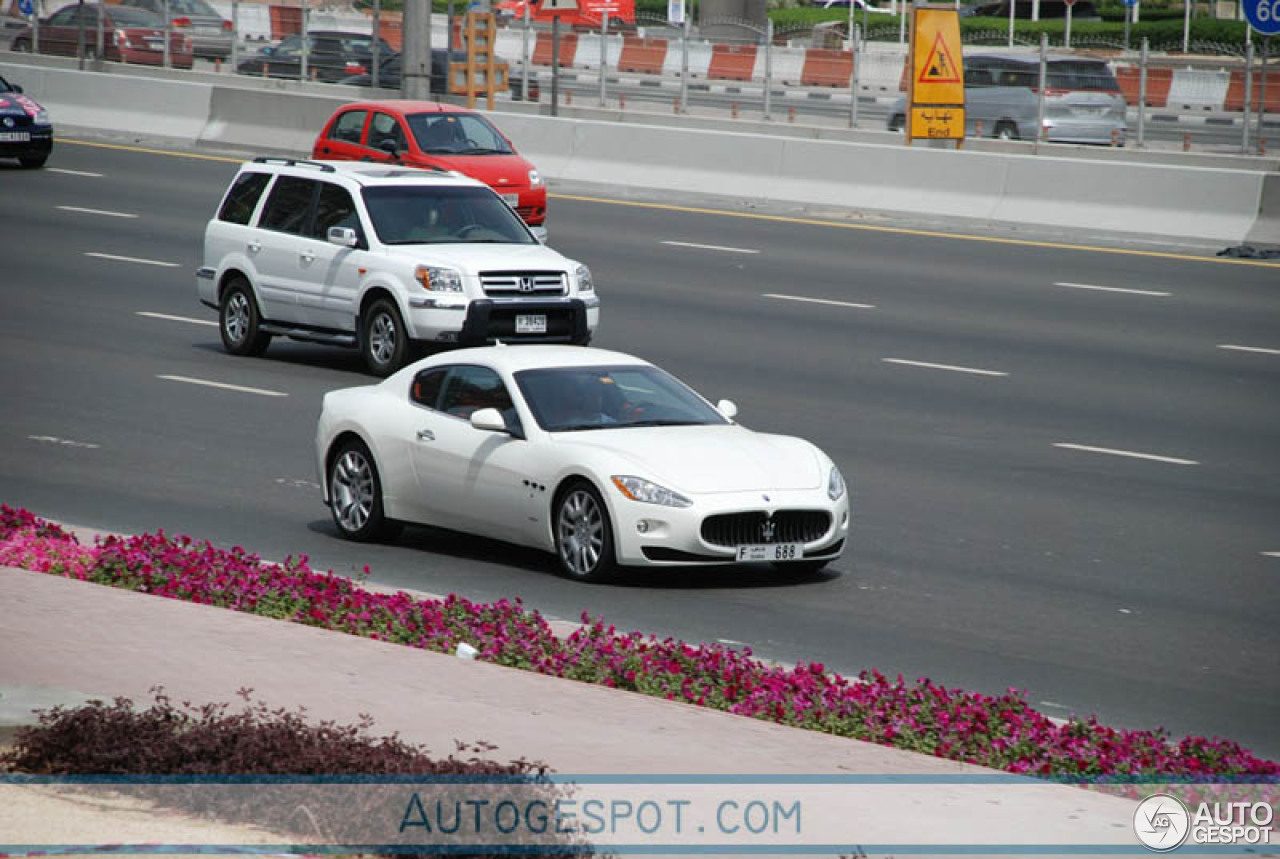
(243, 197)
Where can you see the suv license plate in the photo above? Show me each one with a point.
(771, 552)
(511, 200)
(15, 136)
(531, 323)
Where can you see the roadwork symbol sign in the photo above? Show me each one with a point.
(939, 67)
(936, 85)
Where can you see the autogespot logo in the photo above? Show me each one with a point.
(1161, 822)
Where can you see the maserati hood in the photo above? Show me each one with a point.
(702, 459)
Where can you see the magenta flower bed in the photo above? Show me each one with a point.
(1001, 731)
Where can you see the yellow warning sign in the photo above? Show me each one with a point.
(937, 73)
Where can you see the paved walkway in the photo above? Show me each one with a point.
(62, 641)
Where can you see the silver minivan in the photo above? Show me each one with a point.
(1083, 102)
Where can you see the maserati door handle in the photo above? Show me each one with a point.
(426, 435)
(254, 247)
(307, 256)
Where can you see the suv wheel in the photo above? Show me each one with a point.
(1006, 131)
(239, 321)
(384, 342)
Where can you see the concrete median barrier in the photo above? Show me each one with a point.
(1132, 196)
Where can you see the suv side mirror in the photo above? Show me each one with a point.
(390, 147)
(728, 408)
(343, 237)
(15, 87)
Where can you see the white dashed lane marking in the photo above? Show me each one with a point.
(138, 260)
(1260, 350)
(1097, 288)
(712, 248)
(1132, 454)
(150, 314)
(262, 392)
(819, 301)
(64, 442)
(67, 172)
(96, 212)
(950, 367)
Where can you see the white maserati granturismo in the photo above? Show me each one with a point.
(598, 457)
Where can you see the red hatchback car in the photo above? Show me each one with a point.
(129, 35)
(430, 134)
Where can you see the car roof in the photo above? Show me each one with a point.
(531, 356)
(1029, 60)
(402, 107)
(366, 173)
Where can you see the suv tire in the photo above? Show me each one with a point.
(384, 342)
(239, 322)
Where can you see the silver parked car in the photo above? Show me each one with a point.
(1083, 102)
(211, 34)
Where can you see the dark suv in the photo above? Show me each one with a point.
(1082, 10)
(331, 56)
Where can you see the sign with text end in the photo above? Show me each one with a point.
(937, 73)
(937, 123)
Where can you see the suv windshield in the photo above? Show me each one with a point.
(420, 214)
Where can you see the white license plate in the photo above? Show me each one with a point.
(15, 136)
(771, 552)
(511, 200)
(531, 323)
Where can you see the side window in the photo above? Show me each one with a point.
(470, 389)
(290, 46)
(383, 128)
(334, 208)
(349, 126)
(63, 17)
(288, 205)
(243, 198)
(426, 387)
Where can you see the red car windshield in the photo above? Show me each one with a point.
(457, 134)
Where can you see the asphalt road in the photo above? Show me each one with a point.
(968, 387)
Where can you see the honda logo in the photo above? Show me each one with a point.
(527, 284)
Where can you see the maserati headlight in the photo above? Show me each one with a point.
(438, 279)
(585, 283)
(535, 179)
(835, 484)
(639, 489)
(42, 117)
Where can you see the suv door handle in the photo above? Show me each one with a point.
(426, 435)
(255, 246)
(307, 256)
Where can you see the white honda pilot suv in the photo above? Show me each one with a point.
(382, 258)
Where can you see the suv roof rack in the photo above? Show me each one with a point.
(294, 162)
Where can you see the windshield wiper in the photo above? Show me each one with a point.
(662, 423)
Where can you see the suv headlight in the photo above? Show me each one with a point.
(583, 276)
(535, 179)
(639, 489)
(835, 484)
(438, 279)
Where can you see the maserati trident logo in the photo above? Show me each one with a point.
(768, 527)
(527, 284)
(8, 122)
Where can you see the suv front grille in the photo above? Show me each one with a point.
(523, 284)
(789, 526)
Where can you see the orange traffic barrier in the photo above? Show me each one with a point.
(826, 68)
(1158, 83)
(542, 49)
(732, 62)
(1235, 92)
(642, 55)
